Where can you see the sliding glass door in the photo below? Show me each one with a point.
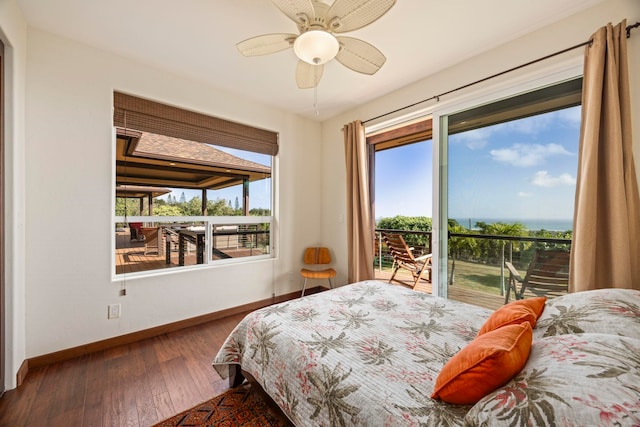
(507, 182)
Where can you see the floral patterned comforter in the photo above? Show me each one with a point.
(365, 354)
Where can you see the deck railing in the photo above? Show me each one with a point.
(474, 260)
(189, 241)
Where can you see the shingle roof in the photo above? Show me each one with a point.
(161, 146)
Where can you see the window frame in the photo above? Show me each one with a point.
(441, 116)
(257, 136)
(501, 88)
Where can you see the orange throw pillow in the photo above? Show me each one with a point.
(514, 313)
(486, 363)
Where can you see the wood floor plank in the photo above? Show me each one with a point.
(40, 407)
(95, 385)
(136, 385)
(180, 384)
(164, 405)
(145, 404)
(71, 383)
(119, 405)
(148, 355)
(167, 347)
(16, 404)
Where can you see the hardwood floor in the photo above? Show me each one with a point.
(137, 384)
(132, 385)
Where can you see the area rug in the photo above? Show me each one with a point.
(239, 406)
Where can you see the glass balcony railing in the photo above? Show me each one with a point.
(476, 262)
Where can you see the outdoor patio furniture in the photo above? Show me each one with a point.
(315, 257)
(403, 258)
(135, 230)
(547, 275)
(150, 240)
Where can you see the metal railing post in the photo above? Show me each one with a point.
(502, 271)
(379, 251)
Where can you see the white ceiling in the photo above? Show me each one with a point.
(196, 39)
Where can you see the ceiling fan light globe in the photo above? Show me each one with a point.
(316, 47)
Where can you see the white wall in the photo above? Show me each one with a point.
(69, 196)
(569, 32)
(13, 33)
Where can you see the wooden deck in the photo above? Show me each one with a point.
(457, 293)
(130, 258)
(130, 255)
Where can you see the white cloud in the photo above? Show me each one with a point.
(529, 125)
(527, 154)
(570, 116)
(524, 194)
(544, 179)
(476, 144)
(474, 140)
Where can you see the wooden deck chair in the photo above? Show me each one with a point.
(317, 257)
(547, 275)
(403, 258)
(150, 240)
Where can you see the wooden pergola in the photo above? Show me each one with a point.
(151, 161)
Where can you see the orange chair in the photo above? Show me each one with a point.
(317, 257)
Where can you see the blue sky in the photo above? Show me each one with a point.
(516, 170)
(403, 181)
(521, 169)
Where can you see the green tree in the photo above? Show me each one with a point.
(260, 212)
(219, 207)
(193, 207)
(491, 249)
(127, 207)
(167, 210)
(412, 223)
(237, 205)
(459, 246)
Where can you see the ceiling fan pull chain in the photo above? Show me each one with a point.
(315, 100)
(315, 87)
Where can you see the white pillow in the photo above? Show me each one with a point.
(607, 311)
(571, 380)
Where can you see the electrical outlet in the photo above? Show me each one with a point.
(114, 311)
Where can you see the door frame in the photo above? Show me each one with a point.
(3, 310)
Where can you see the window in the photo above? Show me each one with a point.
(511, 172)
(190, 189)
(401, 186)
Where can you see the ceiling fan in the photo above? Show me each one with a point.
(317, 43)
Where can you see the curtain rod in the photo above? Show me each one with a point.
(551, 55)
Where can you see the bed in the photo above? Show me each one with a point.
(371, 354)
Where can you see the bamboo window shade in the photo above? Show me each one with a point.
(150, 116)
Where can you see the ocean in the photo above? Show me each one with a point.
(531, 224)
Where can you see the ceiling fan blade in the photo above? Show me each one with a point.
(359, 55)
(349, 15)
(265, 44)
(308, 75)
(299, 11)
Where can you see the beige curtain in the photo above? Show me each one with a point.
(359, 218)
(606, 243)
